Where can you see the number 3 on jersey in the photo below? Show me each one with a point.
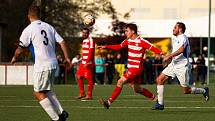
(46, 41)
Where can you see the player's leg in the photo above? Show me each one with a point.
(143, 91)
(80, 74)
(60, 111)
(115, 93)
(166, 73)
(135, 84)
(89, 76)
(41, 86)
(183, 76)
(160, 87)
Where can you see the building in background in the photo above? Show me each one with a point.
(155, 20)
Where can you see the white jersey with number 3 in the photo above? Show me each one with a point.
(43, 37)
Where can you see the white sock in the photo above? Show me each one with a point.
(160, 90)
(47, 106)
(52, 97)
(195, 90)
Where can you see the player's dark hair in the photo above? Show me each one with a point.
(86, 29)
(34, 11)
(132, 27)
(182, 26)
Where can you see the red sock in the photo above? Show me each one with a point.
(81, 86)
(147, 93)
(115, 93)
(90, 87)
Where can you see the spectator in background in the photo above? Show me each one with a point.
(158, 68)
(100, 68)
(76, 61)
(148, 69)
(109, 62)
(119, 65)
(192, 62)
(60, 72)
(201, 69)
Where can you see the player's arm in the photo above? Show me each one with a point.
(65, 51)
(177, 52)
(17, 53)
(24, 42)
(115, 47)
(150, 47)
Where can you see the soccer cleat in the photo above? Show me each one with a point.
(206, 94)
(80, 96)
(86, 98)
(104, 103)
(63, 116)
(158, 106)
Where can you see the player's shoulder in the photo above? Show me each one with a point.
(143, 40)
(182, 37)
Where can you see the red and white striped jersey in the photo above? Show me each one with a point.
(88, 49)
(136, 50)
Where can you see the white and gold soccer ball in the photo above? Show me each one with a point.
(89, 20)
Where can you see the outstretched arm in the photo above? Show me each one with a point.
(17, 53)
(112, 47)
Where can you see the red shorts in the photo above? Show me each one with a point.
(85, 72)
(133, 76)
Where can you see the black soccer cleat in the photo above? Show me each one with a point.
(158, 106)
(63, 116)
(104, 103)
(206, 94)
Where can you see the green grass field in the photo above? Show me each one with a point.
(18, 104)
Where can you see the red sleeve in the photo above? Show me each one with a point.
(114, 47)
(149, 46)
(155, 50)
(118, 47)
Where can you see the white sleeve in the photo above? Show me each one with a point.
(58, 38)
(183, 41)
(25, 38)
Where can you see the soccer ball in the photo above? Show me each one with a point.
(89, 20)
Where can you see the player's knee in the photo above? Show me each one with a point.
(39, 95)
(186, 91)
(120, 83)
(158, 81)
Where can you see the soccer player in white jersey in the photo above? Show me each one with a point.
(136, 49)
(43, 38)
(86, 68)
(179, 67)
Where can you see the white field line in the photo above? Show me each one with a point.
(124, 100)
(124, 107)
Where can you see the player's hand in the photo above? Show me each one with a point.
(85, 65)
(67, 60)
(101, 47)
(163, 53)
(13, 60)
(167, 58)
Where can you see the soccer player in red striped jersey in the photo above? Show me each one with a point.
(136, 49)
(86, 68)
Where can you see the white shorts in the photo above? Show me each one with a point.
(181, 71)
(43, 80)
